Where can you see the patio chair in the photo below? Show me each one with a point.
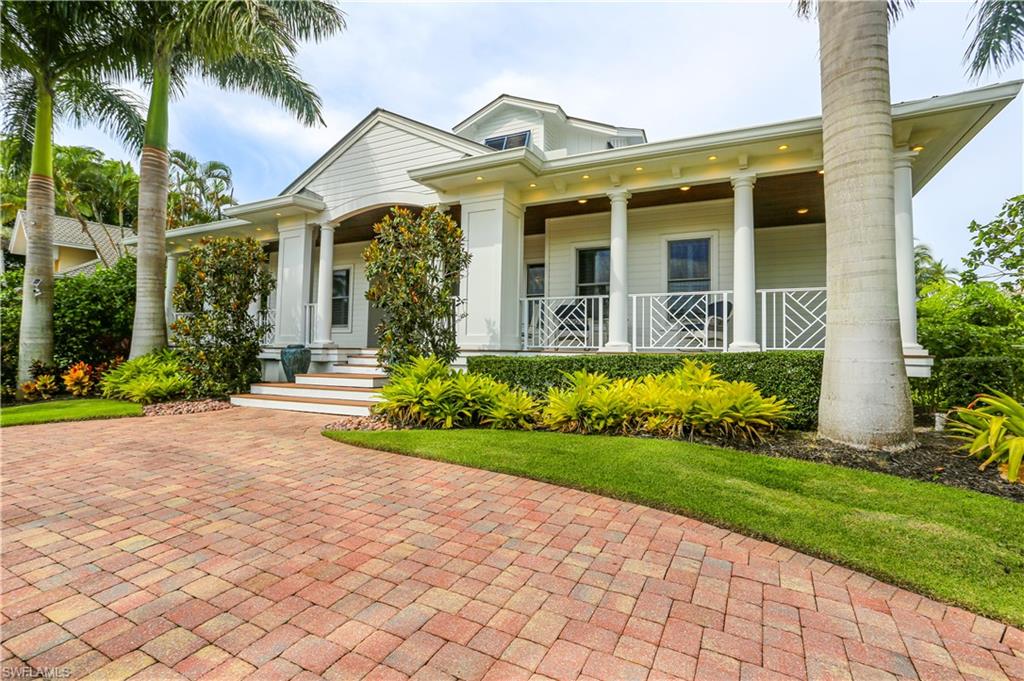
(699, 320)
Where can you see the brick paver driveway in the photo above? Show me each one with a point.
(218, 545)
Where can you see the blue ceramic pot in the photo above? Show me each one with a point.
(295, 360)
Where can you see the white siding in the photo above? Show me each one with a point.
(379, 163)
(349, 255)
(649, 229)
(790, 257)
(507, 120)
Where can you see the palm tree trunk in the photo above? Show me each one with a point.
(150, 328)
(865, 397)
(35, 340)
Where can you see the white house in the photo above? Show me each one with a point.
(75, 250)
(586, 236)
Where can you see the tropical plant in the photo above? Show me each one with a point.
(155, 377)
(198, 191)
(992, 428)
(246, 46)
(217, 335)
(970, 320)
(79, 380)
(865, 397)
(413, 266)
(512, 409)
(81, 184)
(929, 271)
(92, 317)
(997, 248)
(55, 59)
(42, 387)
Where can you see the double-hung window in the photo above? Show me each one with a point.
(535, 280)
(592, 271)
(689, 265)
(341, 297)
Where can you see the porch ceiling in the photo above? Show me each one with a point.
(360, 227)
(777, 200)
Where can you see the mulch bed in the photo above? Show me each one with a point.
(184, 407)
(935, 459)
(359, 423)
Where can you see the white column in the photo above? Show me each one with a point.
(618, 338)
(170, 281)
(493, 227)
(744, 296)
(325, 286)
(906, 292)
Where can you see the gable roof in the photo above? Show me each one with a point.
(379, 115)
(68, 232)
(548, 108)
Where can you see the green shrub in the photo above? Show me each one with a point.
(92, 317)
(218, 338)
(956, 381)
(155, 377)
(992, 428)
(794, 376)
(974, 320)
(690, 400)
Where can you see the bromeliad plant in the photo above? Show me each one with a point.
(992, 428)
(154, 377)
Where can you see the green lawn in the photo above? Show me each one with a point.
(958, 546)
(66, 410)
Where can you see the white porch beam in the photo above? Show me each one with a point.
(325, 287)
(906, 285)
(744, 294)
(618, 338)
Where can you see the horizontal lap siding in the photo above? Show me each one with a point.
(790, 257)
(379, 162)
(648, 228)
(508, 121)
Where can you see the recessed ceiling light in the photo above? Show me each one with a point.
(479, 178)
(277, 214)
(188, 240)
(919, 147)
(712, 157)
(259, 229)
(533, 185)
(783, 147)
(685, 188)
(638, 169)
(821, 172)
(586, 177)
(802, 211)
(581, 200)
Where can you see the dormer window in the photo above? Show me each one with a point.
(516, 139)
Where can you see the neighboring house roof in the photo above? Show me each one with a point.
(68, 232)
(549, 108)
(84, 268)
(467, 147)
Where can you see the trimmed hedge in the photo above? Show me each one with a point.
(792, 375)
(956, 380)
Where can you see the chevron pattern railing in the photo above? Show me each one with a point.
(793, 318)
(564, 323)
(681, 321)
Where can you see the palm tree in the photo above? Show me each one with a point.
(244, 46)
(55, 57)
(202, 189)
(121, 187)
(928, 270)
(865, 397)
(79, 183)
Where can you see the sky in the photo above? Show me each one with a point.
(675, 69)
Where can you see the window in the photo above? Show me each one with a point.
(535, 280)
(341, 297)
(592, 271)
(517, 139)
(689, 265)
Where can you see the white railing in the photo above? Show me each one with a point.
(564, 323)
(268, 317)
(308, 323)
(681, 321)
(793, 318)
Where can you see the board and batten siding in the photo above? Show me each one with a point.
(649, 230)
(378, 163)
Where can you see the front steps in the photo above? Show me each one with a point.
(350, 388)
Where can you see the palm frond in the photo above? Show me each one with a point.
(310, 19)
(998, 40)
(272, 76)
(116, 111)
(19, 107)
(808, 9)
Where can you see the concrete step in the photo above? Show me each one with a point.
(345, 380)
(316, 405)
(344, 368)
(330, 392)
(362, 360)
